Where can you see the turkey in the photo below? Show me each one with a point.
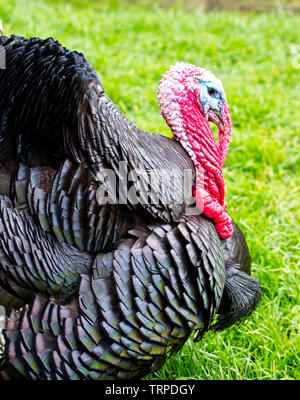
(111, 278)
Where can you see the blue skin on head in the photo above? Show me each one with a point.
(211, 96)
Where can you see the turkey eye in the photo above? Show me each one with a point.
(212, 92)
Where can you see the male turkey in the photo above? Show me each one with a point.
(112, 287)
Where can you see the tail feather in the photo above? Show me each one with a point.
(243, 293)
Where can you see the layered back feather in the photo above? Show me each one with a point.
(43, 84)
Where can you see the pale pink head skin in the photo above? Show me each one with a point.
(189, 97)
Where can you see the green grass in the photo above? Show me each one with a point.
(131, 46)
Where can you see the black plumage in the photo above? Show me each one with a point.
(106, 290)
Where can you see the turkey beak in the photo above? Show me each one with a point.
(216, 118)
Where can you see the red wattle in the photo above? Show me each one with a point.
(209, 189)
(213, 210)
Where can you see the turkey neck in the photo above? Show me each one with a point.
(192, 130)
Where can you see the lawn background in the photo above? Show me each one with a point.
(131, 46)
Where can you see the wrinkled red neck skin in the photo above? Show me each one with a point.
(205, 147)
(209, 158)
(224, 137)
